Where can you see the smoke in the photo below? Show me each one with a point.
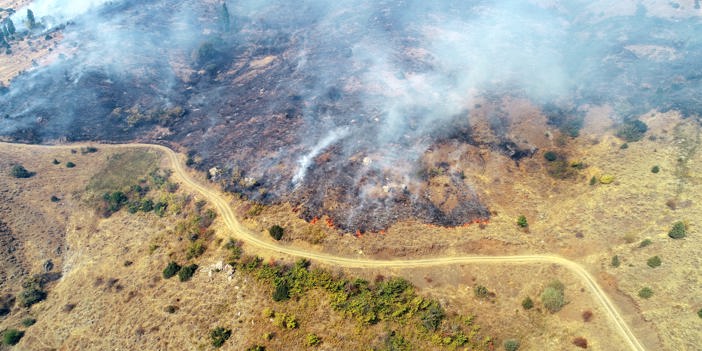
(277, 84)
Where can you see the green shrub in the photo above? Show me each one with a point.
(480, 291)
(171, 270)
(678, 231)
(624, 146)
(187, 272)
(54, 198)
(28, 322)
(195, 250)
(615, 261)
(276, 232)
(553, 297)
(645, 243)
(219, 335)
(522, 221)
(654, 262)
(18, 171)
(606, 179)
(432, 317)
(256, 348)
(281, 292)
(550, 156)
(632, 130)
(32, 296)
(527, 303)
(313, 340)
(55, 161)
(160, 208)
(593, 180)
(146, 205)
(699, 313)
(655, 169)
(511, 345)
(12, 337)
(645, 292)
(70, 164)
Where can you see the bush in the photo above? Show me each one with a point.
(580, 342)
(645, 293)
(678, 231)
(281, 292)
(632, 130)
(699, 313)
(54, 198)
(606, 179)
(55, 161)
(256, 348)
(615, 261)
(527, 303)
(12, 337)
(654, 262)
(195, 250)
(219, 335)
(645, 243)
(480, 291)
(171, 270)
(522, 221)
(18, 171)
(593, 180)
(32, 296)
(511, 345)
(28, 322)
(655, 169)
(553, 297)
(313, 340)
(550, 156)
(70, 164)
(276, 232)
(432, 317)
(187, 272)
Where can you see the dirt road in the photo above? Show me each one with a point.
(219, 201)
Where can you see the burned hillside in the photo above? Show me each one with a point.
(339, 109)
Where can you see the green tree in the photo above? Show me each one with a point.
(645, 293)
(511, 345)
(281, 292)
(171, 270)
(654, 262)
(527, 303)
(313, 340)
(12, 337)
(632, 130)
(219, 336)
(522, 221)
(276, 232)
(187, 272)
(31, 21)
(18, 171)
(678, 231)
(553, 296)
(70, 164)
(655, 169)
(28, 322)
(615, 261)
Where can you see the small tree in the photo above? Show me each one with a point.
(522, 221)
(553, 297)
(645, 293)
(678, 231)
(18, 171)
(480, 291)
(276, 232)
(615, 261)
(220, 335)
(527, 303)
(511, 345)
(281, 292)
(70, 164)
(12, 337)
(171, 270)
(187, 272)
(313, 340)
(654, 262)
(655, 169)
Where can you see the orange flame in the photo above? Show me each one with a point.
(314, 220)
(330, 222)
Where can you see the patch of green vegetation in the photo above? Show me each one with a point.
(654, 262)
(12, 336)
(632, 130)
(522, 221)
(123, 170)
(70, 164)
(699, 313)
(593, 180)
(511, 345)
(645, 293)
(171, 270)
(527, 303)
(645, 242)
(284, 320)
(33, 292)
(480, 291)
(606, 179)
(313, 340)
(624, 146)
(88, 150)
(28, 322)
(553, 296)
(18, 171)
(550, 156)
(615, 261)
(560, 168)
(255, 210)
(276, 232)
(54, 198)
(655, 169)
(219, 336)
(256, 348)
(196, 249)
(678, 231)
(186, 272)
(56, 162)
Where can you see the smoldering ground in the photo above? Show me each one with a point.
(330, 106)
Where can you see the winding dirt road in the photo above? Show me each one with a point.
(253, 238)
